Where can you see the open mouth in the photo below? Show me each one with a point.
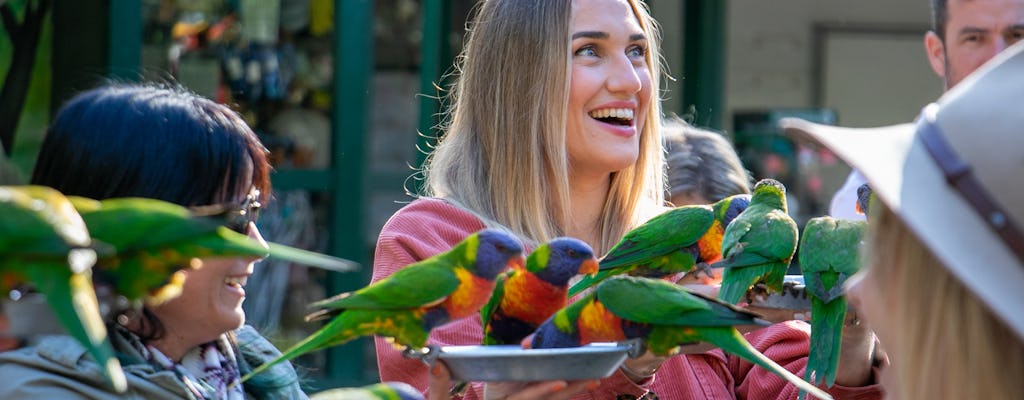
(614, 116)
(236, 281)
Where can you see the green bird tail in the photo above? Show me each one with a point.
(73, 300)
(826, 336)
(730, 340)
(404, 325)
(736, 281)
(334, 333)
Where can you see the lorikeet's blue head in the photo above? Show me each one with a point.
(566, 258)
(730, 207)
(548, 336)
(863, 198)
(495, 250)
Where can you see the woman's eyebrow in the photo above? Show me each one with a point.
(590, 35)
(636, 37)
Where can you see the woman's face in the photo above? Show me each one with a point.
(865, 294)
(610, 87)
(210, 303)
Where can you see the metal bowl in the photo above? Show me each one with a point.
(793, 295)
(512, 363)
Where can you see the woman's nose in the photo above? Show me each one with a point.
(623, 76)
(254, 233)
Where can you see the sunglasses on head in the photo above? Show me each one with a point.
(235, 216)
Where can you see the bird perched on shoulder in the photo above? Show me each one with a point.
(663, 314)
(524, 298)
(677, 240)
(829, 250)
(46, 245)
(759, 244)
(407, 305)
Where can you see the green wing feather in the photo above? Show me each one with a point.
(665, 233)
(414, 286)
(487, 312)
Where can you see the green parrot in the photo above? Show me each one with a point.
(407, 305)
(155, 239)
(829, 251)
(379, 391)
(663, 314)
(46, 244)
(524, 298)
(677, 240)
(759, 244)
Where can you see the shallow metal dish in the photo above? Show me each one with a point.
(792, 297)
(512, 363)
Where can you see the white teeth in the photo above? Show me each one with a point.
(620, 113)
(237, 281)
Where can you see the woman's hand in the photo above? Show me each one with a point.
(555, 390)
(440, 382)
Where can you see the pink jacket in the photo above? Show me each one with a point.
(429, 226)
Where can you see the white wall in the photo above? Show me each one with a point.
(770, 58)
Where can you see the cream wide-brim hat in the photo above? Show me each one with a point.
(982, 120)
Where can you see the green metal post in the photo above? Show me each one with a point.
(435, 58)
(124, 39)
(353, 72)
(704, 61)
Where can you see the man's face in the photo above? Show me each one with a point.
(976, 30)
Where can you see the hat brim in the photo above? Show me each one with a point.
(903, 175)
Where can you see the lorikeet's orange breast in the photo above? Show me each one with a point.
(711, 243)
(472, 294)
(531, 299)
(597, 324)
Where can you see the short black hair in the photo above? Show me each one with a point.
(142, 140)
(940, 15)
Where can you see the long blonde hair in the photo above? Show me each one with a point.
(503, 155)
(948, 344)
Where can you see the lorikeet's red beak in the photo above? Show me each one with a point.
(589, 267)
(518, 262)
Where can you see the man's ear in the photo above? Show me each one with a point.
(936, 52)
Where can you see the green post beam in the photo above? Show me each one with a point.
(704, 62)
(353, 73)
(435, 59)
(124, 39)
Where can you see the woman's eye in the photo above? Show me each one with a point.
(636, 51)
(586, 51)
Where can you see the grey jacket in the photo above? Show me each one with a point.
(57, 367)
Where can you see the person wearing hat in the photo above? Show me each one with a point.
(964, 34)
(942, 283)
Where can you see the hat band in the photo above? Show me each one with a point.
(960, 176)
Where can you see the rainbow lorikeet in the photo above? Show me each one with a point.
(863, 198)
(829, 251)
(419, 297)
(661, 313)
(154, 240)
(759, 244)
(677, 240)
(524, 298)
(46, 244)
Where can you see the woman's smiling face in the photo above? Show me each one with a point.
(610, 89)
